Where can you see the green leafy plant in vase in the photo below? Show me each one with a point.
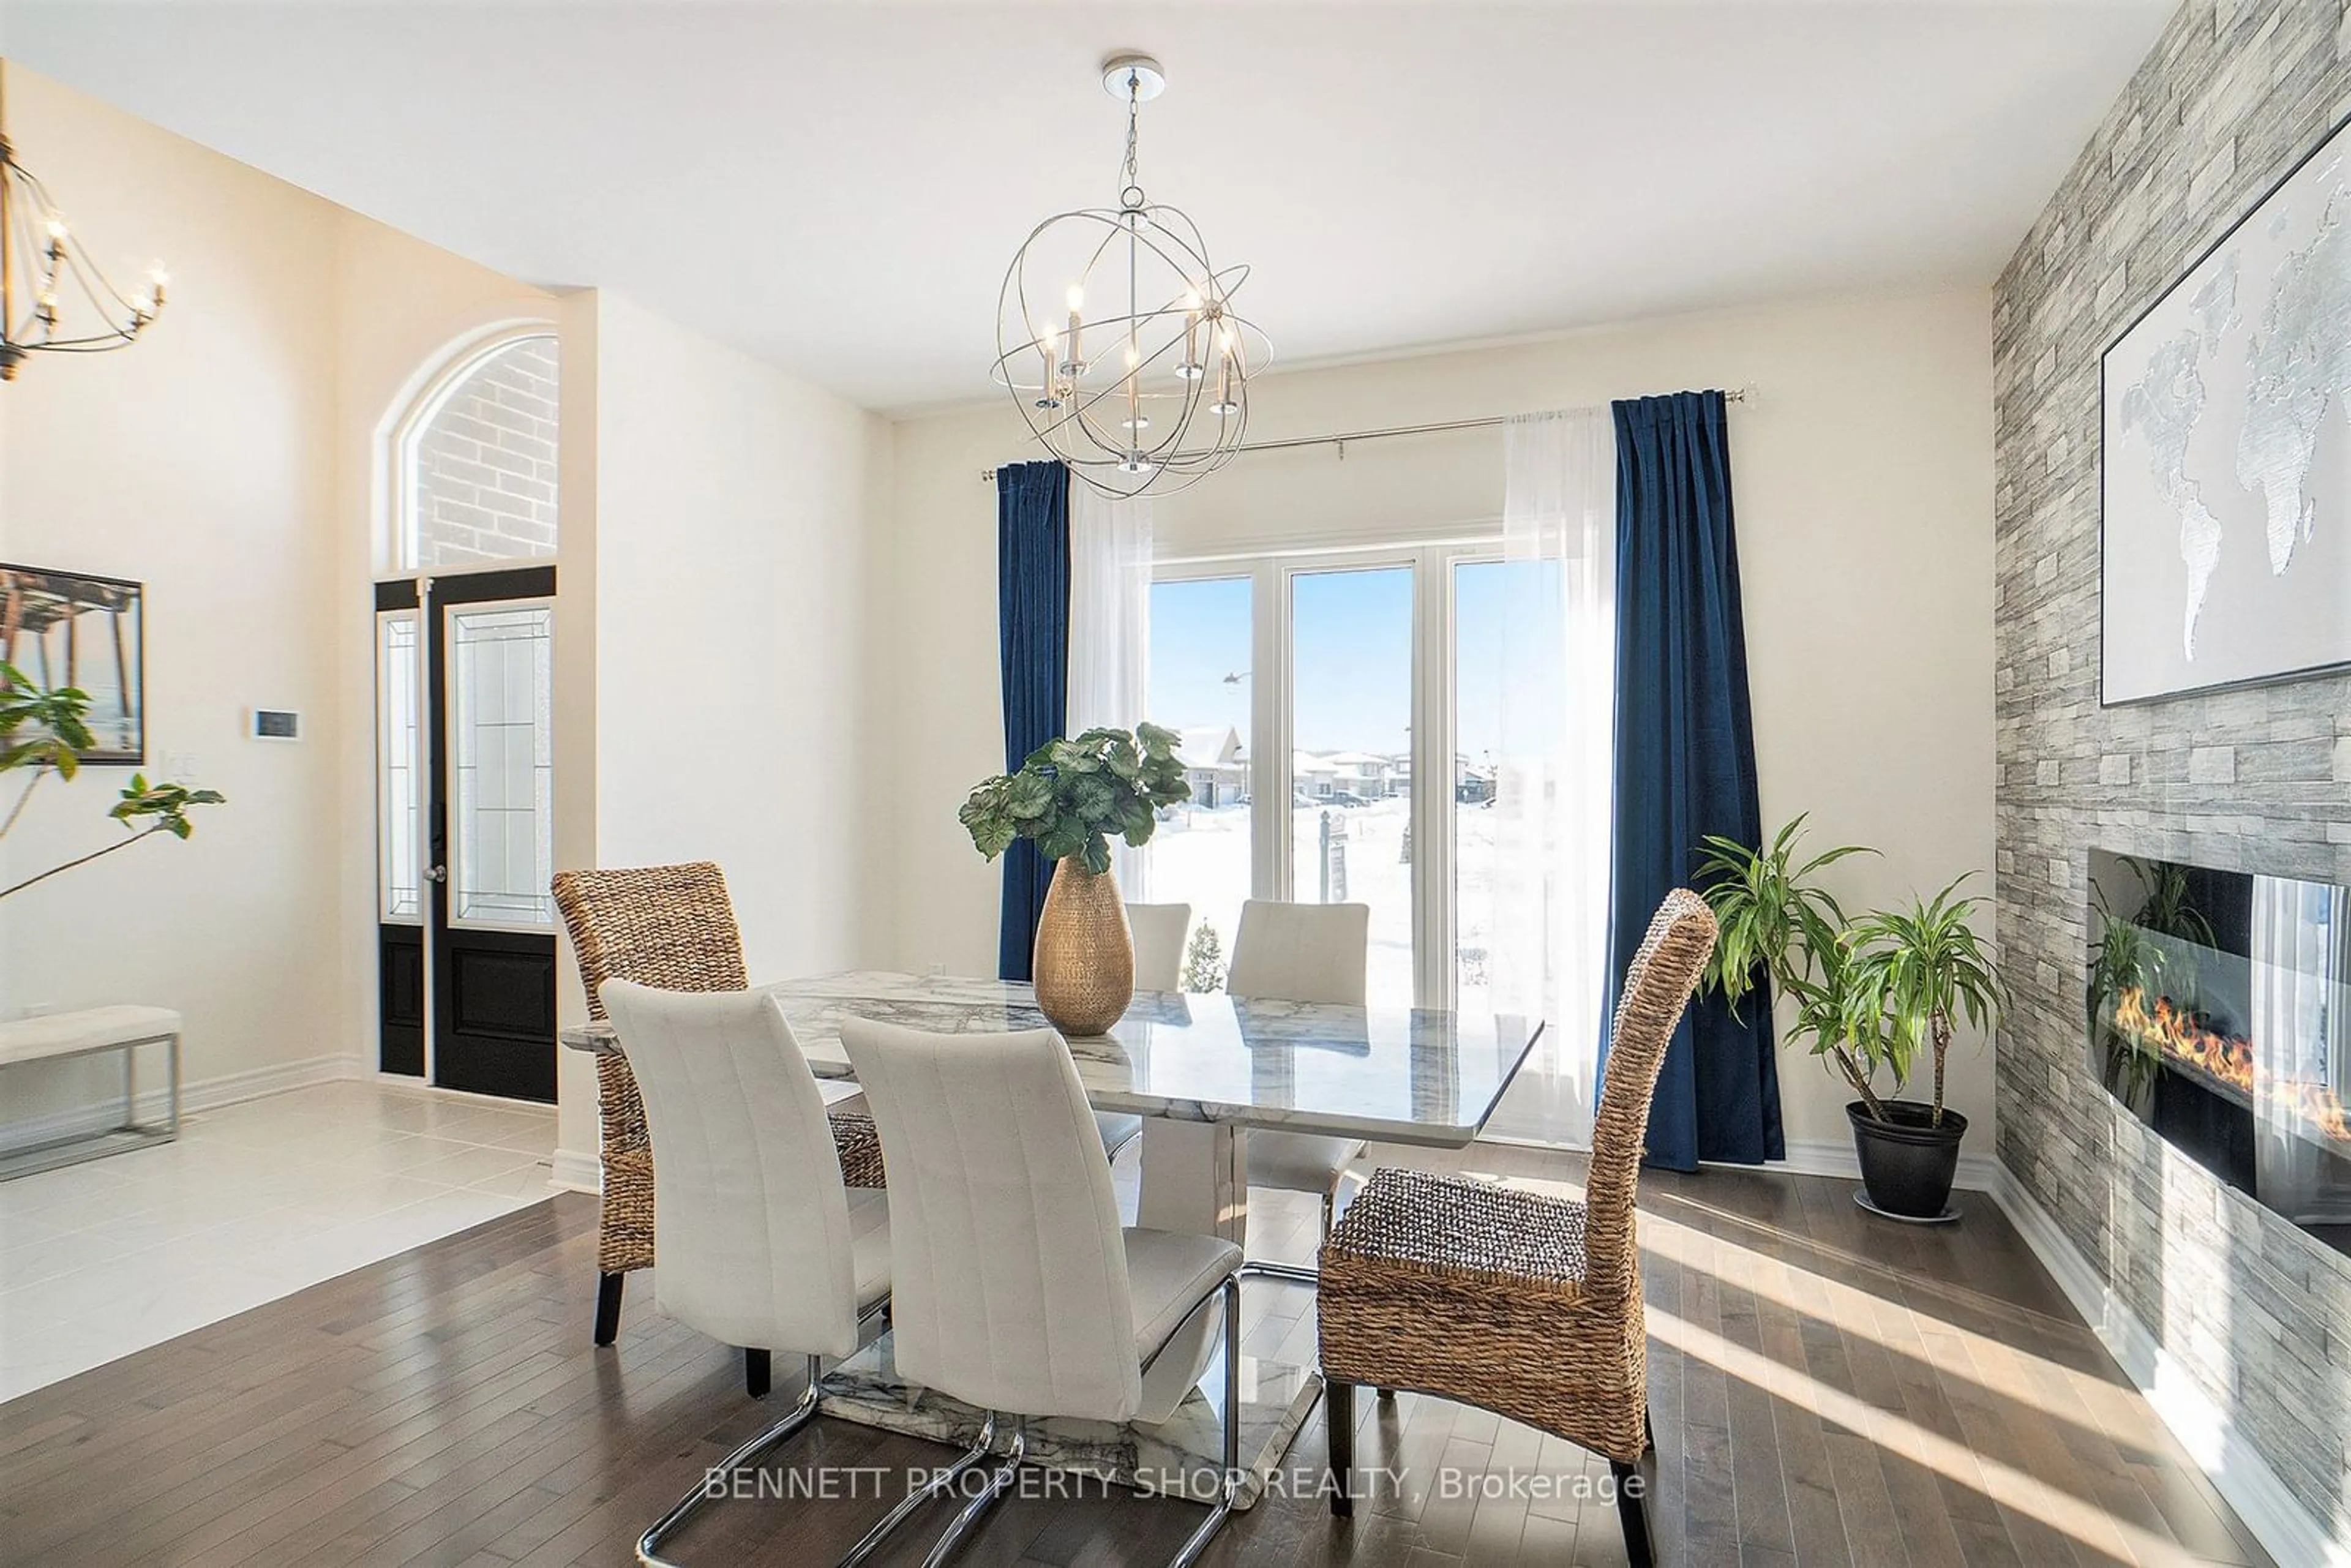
(1868, 994)
(1070, 798)
(42, 733)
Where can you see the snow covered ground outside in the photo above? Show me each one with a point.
(1201, 858)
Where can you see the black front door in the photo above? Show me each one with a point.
(485, 808)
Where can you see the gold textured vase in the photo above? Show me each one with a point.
(1085, 962)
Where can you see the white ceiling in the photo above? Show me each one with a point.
(837, 188)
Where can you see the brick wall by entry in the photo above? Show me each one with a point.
(485, 474)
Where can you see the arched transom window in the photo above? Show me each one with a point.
(478, 461)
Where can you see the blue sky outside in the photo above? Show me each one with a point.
(1352, 638)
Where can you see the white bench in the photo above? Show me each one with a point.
(84, 1033)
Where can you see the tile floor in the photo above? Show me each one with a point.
(253, 1203)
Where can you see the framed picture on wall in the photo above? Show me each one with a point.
(2225, 546)
(68, 629)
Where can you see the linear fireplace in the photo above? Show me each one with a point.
(2220, 1013)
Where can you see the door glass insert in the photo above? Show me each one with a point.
(1351, 758)
(399, 768)
(1201, 687)
(501, 700)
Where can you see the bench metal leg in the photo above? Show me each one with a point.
(129, 1134)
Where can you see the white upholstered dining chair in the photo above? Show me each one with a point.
(1158, 930)
(1017, 1292)
(761, 1243)
(1300, 953)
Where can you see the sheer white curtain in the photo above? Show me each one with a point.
(2301, 991)
(1555, 769)
(1110, 631)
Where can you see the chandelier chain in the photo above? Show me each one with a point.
(1130, 192)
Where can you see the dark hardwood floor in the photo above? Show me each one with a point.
(1827, 1389)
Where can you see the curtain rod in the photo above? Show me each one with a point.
(1737, 394)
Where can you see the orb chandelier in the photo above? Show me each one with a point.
(1117, 336)
(42, 267)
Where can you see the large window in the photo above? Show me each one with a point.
(1351, 770)
(1341, 718)
(1203, 852)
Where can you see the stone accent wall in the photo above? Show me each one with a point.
(485, 472)
(2232, 94)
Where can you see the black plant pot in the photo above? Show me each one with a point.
(1907, 1162)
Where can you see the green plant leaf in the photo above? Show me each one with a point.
(1072, 795)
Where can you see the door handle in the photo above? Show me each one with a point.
(436, 874)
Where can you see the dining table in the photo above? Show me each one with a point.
(1203, 1072)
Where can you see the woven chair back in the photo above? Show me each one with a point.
(671, 926)
(1658, 988)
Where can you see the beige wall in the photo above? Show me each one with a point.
(1862, 480)
(236, 462)
(201, 462)
(230, 461)
(737, 514)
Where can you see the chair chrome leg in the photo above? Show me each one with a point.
(649, 1544)
(1297, 1273)
(1199, 1541)
(872, 1540)
(946, 1546)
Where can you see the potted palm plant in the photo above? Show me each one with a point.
(1869, 994)
(1916, 972)
(1069, 797)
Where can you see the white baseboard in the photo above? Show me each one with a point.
(152, 1104)
(576, 1172)
(1977, 1172)
(2285, 1529)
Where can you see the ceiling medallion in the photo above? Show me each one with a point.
(1117, 336)
(40, 262)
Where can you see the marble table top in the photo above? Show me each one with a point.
(1401, 1075)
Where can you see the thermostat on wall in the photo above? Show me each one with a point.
(277, 724)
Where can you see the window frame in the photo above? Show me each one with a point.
(1271, 573)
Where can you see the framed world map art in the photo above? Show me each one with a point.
(2225, 547)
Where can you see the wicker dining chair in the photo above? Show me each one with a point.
(1524, 1305)
(672, 926)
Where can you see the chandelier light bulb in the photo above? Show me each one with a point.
(53, 296)
(1140, 271)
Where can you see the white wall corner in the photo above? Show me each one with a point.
(577, 1172)
(2286, 1530)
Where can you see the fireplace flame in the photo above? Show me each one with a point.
(2177, 1034)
